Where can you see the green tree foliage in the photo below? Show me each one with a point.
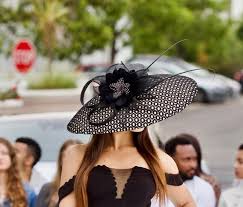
(158, 24)
(61, 29)
(113, 14)
(84, 30)
(240, 31)
(210, 5)
(42, 20)
(7, 28)
(68, 29)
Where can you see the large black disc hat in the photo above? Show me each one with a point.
(128, 98)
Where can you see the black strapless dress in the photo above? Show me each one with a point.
(108, 187)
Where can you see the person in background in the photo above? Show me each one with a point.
(233, 197)
(48, 196)
(201, 172)
(238, 76)
(12, 192)
(28, 153)
(185, 155)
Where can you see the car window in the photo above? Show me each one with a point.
(159, 66)
(189, 66)
(100, 69)
(172, 68)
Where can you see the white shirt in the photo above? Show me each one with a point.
(201, 191)
(37, 181)
(232, 197)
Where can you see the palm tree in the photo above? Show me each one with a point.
(47, 16)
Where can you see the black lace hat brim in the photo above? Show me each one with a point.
(170, 95)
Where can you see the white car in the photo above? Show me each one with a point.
(234, 86)
(210, 89)
(49, 130)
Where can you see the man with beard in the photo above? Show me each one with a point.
(185, 156)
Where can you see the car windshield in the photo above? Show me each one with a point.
(188, 66)
(99, 69)
(170, 67)
(159, 66)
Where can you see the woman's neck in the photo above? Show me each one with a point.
(122, 140)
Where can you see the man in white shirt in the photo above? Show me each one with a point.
(185, 156)
(28, 153)
(233, 197)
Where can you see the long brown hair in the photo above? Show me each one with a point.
(94, 150)
(14, 188)
(56, 181)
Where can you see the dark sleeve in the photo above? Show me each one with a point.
(43, 196)
(66, 189)
(173, 179)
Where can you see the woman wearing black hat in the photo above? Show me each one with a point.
(120, 167)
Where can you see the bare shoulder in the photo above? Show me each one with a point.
(75, 152)
(167, 162)
(72, 161)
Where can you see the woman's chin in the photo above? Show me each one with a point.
(137, 130)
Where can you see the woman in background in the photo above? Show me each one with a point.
(12, 193)
(48, 196)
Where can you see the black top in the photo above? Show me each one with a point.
(109, 187)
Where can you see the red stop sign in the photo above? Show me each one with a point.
(24, 56)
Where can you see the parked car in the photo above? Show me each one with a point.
(48, 129)
(92, 70)
(92, 67)
(209, 91)
(231, 87)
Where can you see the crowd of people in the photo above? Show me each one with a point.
(186, 151)
(18, 159)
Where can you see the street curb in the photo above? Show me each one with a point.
(11, 103)
(37, 116)
(49, 92)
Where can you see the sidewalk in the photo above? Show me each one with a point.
(39, 105)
